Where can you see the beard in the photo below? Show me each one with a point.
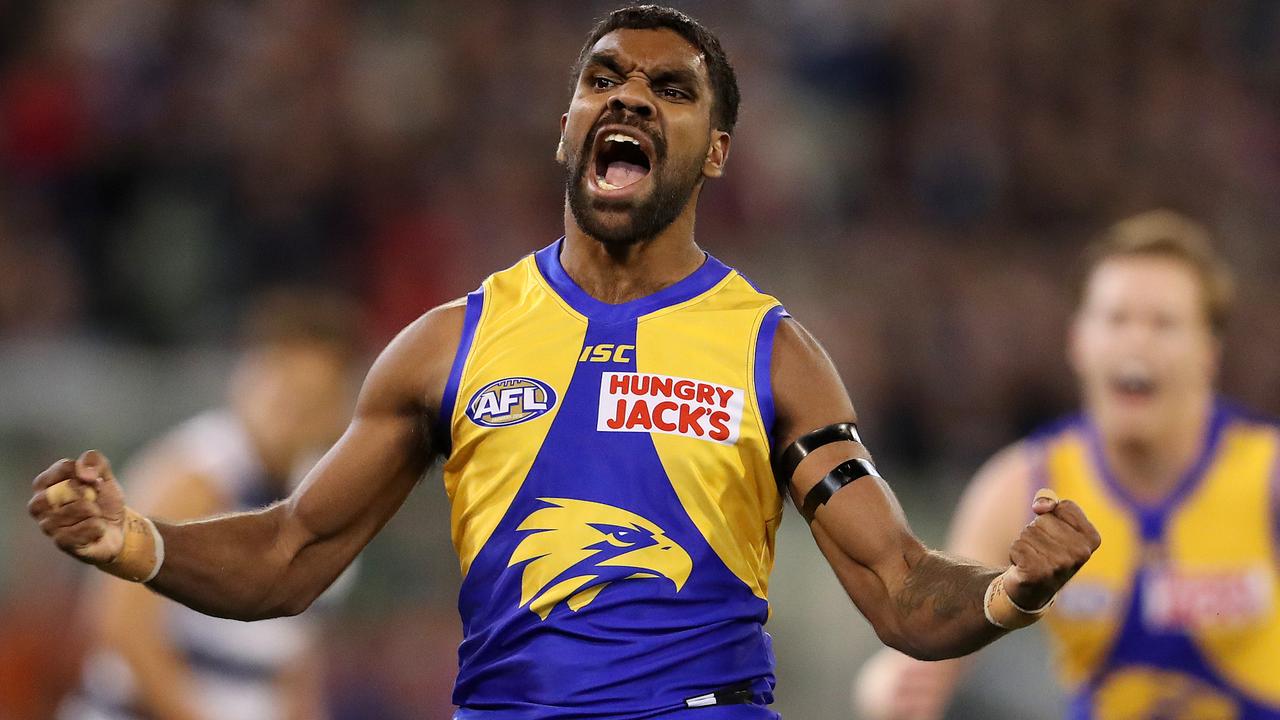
(673, 187)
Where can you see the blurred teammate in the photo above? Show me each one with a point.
(1176, 617)
(288, 398)
(609, 408)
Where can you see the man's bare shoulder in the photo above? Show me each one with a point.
(794, 340)
(416, 363)
(807, 388)
(1002, 484)
(995, 506)
(1007, 470)
(438, 326)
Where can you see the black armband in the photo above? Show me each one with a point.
(786, 464)
(843, 474)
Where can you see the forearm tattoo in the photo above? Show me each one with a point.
(949, 586)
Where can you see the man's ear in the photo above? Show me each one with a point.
(564, 121)
(717, 154)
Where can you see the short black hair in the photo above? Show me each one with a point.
(724, 82)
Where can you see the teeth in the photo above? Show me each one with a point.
(605, 184)
(619, 137)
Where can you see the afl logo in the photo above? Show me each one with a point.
(510, 401)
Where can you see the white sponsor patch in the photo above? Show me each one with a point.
(642, 402)
(1178, 599)
(1084, 600)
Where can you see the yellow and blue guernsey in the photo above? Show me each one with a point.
(1176, 617)
(613, 506)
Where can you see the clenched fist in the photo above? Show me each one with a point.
(1050, 550)
(86, 515)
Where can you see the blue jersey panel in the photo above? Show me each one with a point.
(596, 596)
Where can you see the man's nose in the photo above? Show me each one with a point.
(1139, 335)
(633, 95)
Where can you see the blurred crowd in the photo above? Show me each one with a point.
(914, 179)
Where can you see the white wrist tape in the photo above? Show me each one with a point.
(142, 554)
(1003, 612)
(159, 539)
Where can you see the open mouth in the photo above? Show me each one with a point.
(622, 159)
(1134, 384)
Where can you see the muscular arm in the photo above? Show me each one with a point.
(925, 603)
(276, 561)
(990, 516)
(992, 513)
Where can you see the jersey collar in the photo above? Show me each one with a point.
(1154, 515)
(707, 276)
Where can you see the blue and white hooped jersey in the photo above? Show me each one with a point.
(612, 502)
(233, 667)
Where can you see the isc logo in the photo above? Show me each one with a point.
(607, 352)
(510, 401)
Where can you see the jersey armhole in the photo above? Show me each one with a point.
(471, 320)
(762, 377)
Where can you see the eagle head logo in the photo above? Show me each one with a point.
(576, 548)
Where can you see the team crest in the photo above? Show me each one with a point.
(510, 401)
(577, 548)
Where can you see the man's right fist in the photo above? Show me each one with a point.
(85, 516)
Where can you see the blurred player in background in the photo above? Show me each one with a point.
(1177, 617)
(289, 396)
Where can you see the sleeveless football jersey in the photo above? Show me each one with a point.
(1176, 617)
(612, 503)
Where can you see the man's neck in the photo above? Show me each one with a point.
(1150, 467)
(619, 273)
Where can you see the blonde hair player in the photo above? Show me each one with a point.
(288, 396)
(1177, 616)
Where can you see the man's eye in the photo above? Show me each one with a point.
(674, 93)
(601, 83)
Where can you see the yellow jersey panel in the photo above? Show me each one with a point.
(612, 496)
(1087, 617)
(1222, 542)
(1176, 615)
(521, 333)
(739, 519)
